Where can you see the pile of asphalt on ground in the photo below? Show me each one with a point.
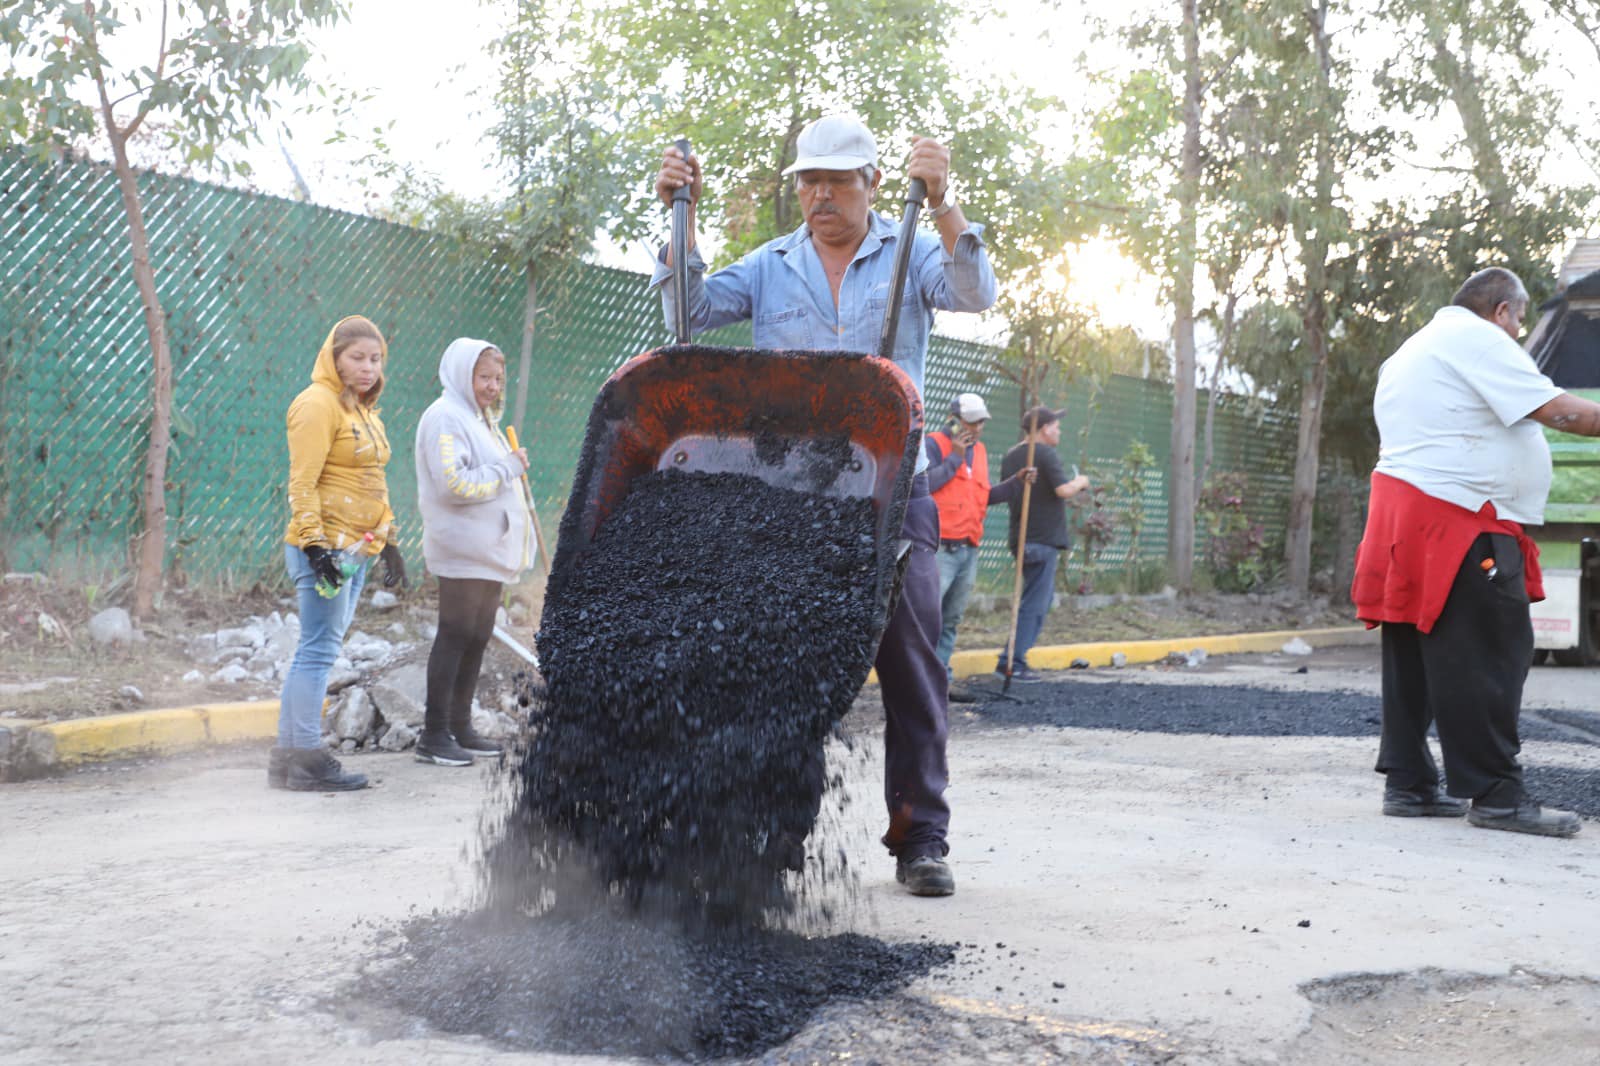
(1238, 711)
(643, 867)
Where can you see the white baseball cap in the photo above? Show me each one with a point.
(835, 142)
(969, 407)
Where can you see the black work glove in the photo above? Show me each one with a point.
(394, 567)
(324, 565)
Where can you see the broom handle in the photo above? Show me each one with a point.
(538, 534)
(1016, 588)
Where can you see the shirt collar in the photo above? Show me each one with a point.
(879, 231)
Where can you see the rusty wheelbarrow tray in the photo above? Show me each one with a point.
(834, 423)
(830, 423)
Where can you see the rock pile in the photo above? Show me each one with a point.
(377, 695)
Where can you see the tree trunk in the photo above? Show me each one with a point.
(530, 314)
(1223, 347)
(149, 546)
(1303, 496)
(1180, 487)
(1313, 238)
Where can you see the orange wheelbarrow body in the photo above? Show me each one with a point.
(830, 423)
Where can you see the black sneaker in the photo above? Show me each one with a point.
(1422, 803)
(476, 743)
(441, 749)
(314, 770)
(278, 767)
(925, 876)
(1525, 817)
(1022, 674)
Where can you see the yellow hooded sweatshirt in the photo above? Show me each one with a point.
(337, 489)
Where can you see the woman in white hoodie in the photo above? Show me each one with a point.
(477, 535)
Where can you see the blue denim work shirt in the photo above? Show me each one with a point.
(783, 290)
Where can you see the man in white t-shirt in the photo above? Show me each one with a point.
(1445, 567)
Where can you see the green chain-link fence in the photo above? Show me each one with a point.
(252, 283)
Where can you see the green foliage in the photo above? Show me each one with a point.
(215, 68)
(1235, 544)
(1137, 462)
(741, 78)
(1096, 529)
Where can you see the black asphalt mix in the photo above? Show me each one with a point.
(1071, 702)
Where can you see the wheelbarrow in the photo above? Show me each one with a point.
(845, 424)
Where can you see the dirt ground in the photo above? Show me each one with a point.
(54, 677)
(1125, 896)
(49, 676)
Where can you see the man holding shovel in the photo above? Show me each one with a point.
(825, 286)
(1046, 534)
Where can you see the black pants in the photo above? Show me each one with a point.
(1465, 676)
(915, 687)
(466, 622)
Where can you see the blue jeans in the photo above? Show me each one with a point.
(1038, 590)
(958, 569)
(323, 624)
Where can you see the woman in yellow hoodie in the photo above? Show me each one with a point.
(339, 518)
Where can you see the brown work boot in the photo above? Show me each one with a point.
(278, 767)
(925, 875)
(314, 770)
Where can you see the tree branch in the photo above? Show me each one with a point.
(107, 114)
(161, 66)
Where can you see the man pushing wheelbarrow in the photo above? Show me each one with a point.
(826, 287)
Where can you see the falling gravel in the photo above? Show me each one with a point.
(697, 655)
(646, 881)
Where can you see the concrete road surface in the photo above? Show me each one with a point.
(1160, 897)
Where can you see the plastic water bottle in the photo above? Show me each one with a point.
(348, 560)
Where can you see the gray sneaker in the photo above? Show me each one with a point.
(1525, 817)
(441, 749)
(925, 876)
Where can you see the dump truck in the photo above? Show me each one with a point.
(1566, 347)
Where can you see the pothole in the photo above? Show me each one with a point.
(1432, 1016)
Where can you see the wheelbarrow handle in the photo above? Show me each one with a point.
(916, 192)
(680, 252)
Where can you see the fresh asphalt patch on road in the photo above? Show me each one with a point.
(1242, 711)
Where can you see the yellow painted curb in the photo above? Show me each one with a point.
(254, 720)
(115, 736)
(981, 661)
(1098, 653)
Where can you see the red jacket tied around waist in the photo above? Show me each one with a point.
(964, 499)
(1412, 549)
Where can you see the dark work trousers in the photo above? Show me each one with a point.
(466, 622)
(915, 688)
(1465, 676)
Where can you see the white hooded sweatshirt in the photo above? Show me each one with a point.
(475, 517)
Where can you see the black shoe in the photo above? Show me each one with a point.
(441, 749)
(1020, 674)
(1525, 817)
(1422, 803)
(278, 767)
(962, 694)
(476, 743)
(314, 770)
(925, 876)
